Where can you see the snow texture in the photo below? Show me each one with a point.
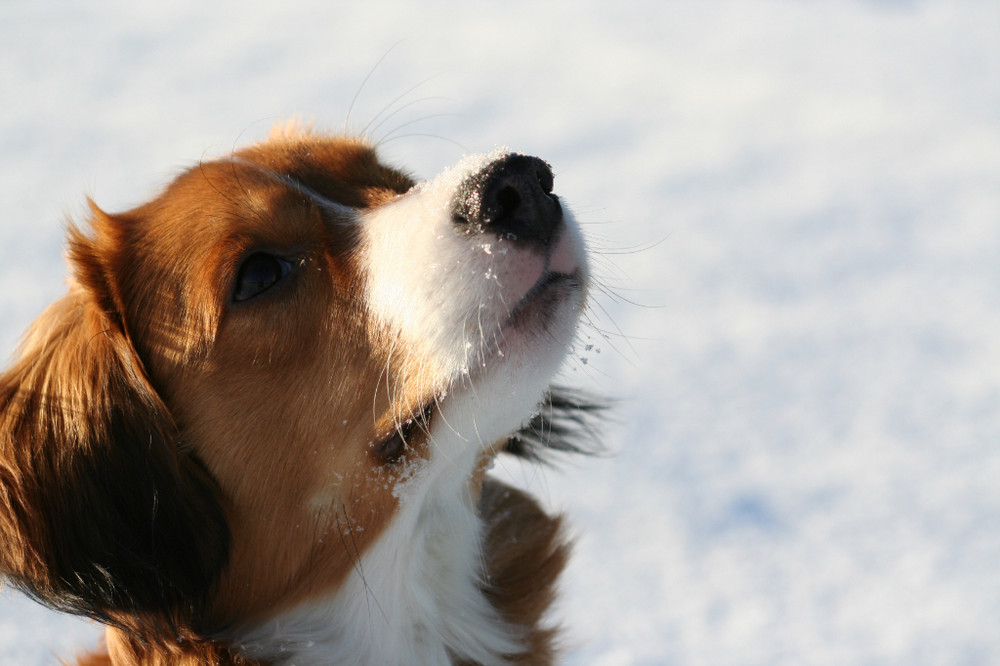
(795, 210)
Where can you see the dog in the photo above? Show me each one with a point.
(258, 427)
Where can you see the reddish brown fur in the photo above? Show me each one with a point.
(124, 649)
(525, 551)
(146, 365)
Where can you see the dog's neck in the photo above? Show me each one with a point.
(415, 597)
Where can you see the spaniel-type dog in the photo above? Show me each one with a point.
(257, 428)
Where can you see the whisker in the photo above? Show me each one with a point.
(462, 146)
(355, 557)
(364, 82)
(402, 96)
(389, 137)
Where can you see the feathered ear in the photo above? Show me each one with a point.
(102, 513)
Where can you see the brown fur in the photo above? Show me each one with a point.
(122, 648)
(525, 551)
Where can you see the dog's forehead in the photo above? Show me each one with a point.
(344, 171)
(271, 193)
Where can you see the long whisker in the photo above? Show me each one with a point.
(364, 82)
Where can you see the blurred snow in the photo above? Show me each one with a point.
(796, 212)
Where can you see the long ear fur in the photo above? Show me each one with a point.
(102, 513)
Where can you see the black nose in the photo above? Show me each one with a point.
(511, 197)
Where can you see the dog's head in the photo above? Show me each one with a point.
(256, 373)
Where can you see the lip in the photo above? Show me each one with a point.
(543, 298)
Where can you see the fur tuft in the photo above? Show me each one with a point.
(566, 422)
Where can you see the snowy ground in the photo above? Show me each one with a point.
(796, 212)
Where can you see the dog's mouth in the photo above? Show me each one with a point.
(560, 274)
(537, 307)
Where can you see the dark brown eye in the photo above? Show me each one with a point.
(258, 273)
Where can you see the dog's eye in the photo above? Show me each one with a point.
(258, 273)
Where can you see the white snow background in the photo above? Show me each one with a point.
(795, 214)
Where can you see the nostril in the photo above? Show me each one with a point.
(508, 200)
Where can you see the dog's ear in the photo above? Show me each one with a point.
(102, 511)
